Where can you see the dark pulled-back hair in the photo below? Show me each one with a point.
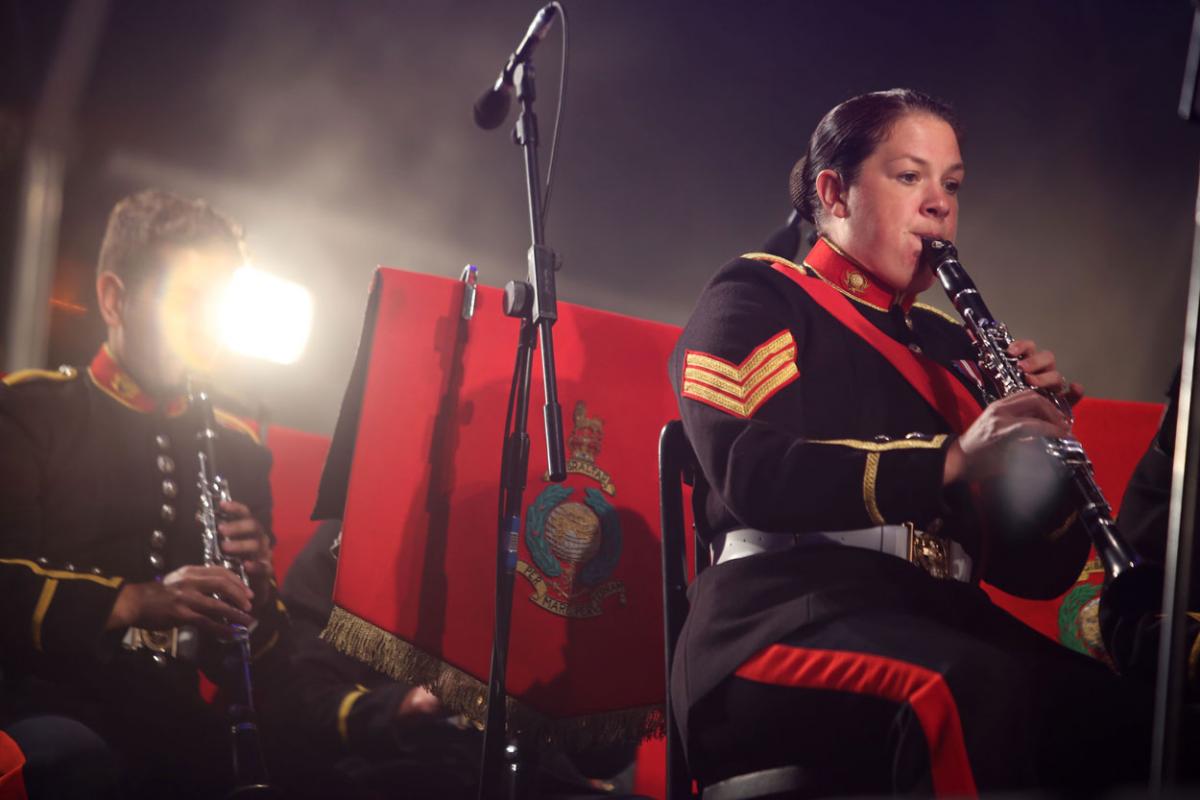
(143, 225)
(849, 133)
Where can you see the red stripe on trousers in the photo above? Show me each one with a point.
(923, 690)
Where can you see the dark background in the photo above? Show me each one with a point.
(340, 135)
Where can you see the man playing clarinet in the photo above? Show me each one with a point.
(108, 604)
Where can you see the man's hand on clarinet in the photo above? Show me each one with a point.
(244, 537)
(184, 597)
(1041, 370)
(980, 452)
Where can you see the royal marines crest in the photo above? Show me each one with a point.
(1079, 615)
(573, 532)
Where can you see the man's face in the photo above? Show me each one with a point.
(907, 189)
(167, 325)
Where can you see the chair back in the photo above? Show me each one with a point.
(676, 467)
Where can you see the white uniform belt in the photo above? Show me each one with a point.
(942, 558)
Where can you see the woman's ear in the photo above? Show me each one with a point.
(832, 193)
(110, 294)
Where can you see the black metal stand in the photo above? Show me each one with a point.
(1172, 667)
(534, 303)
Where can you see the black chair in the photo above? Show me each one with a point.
(676, 467)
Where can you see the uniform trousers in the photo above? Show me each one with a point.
(949, 698)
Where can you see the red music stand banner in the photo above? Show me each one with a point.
(416, 577)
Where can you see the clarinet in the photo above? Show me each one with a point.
(249, 767)
(1132, 586)
(1003, 377)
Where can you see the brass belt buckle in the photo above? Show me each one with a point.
(928, 552)
(159, 643)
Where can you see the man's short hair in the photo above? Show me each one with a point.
(143, 226)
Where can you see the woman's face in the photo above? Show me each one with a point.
(907, 189)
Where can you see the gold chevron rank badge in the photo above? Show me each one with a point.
(741, 389)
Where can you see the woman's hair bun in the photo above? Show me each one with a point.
(799, 189)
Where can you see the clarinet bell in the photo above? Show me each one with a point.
(1130, 620)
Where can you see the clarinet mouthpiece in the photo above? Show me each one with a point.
(933, 249)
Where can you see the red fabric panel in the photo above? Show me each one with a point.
(419, 543)
(295, 473)
(1115, 434)
(208, 689)
(12, 763)
(650, 772)
(861, 673)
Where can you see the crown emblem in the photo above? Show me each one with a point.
(584, 442)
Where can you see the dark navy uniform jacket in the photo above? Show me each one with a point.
(1147, 501)
(98, 487)
(799, 425)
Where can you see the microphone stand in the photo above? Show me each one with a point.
(533, 302)
(1169, 689)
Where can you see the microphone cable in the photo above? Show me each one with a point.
(562, 90)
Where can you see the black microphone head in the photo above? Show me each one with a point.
(491, 108)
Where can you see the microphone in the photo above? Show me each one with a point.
(492, 106)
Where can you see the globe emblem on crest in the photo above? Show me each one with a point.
(573, 532)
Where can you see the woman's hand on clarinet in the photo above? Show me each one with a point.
(980, 451)
(1041, 370)
(245, 538)
(184, 597)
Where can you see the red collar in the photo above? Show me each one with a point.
(118, 384)
(852, 279)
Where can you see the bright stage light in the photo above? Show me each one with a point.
(264, 316)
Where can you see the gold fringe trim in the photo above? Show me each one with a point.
(463, 694)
